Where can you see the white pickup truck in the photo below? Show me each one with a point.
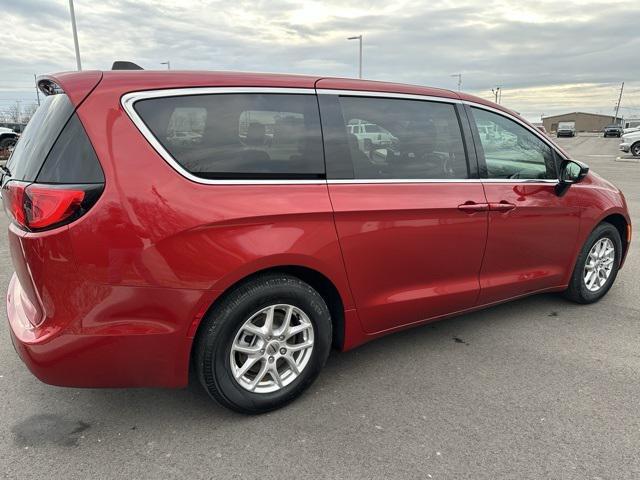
(371, 136)
(631, 143)
(8, 138)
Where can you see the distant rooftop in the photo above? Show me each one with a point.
(581, 113)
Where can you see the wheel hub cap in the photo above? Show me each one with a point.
(599, 264)
(272, 348)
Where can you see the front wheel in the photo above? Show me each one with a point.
(264, 344)
(597, 265)
(635, 149)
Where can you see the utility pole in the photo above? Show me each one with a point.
(359, 38)
(618, 105)
(75, 35)
(459, 75)
(497, 93)
(18, 111)
(35, 79)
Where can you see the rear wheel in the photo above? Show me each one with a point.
(597, 265)
(7, 142)
(264, 344)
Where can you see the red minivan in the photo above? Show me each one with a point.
(242, 224)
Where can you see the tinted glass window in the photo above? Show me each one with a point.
(239, 135)
(400, 139)
(512, 151)
(72, 159)
(38, 137)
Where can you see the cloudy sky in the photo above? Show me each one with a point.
(548, 56)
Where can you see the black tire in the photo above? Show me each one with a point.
(7, 142)
(578, 291)
(221, 325)
(635, 149)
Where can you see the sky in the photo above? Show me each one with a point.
(548, 57)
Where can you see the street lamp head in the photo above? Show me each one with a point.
(355, 38)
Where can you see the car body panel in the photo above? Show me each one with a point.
(422, 228)
(519, 257)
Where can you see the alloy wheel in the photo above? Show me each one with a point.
(272, 348)
(599, 265)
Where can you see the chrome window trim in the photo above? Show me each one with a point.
(436, 180)
(129, 99)
(405, 96)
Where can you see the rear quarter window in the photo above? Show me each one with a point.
(39, 136)
(238, 135)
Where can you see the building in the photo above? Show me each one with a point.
(631, 122)
(584, 122)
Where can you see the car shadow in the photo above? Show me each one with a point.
(97, 411)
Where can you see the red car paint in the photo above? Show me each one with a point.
(117, 295)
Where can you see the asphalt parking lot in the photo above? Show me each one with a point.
(535, 389)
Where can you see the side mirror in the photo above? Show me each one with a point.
(571, 171)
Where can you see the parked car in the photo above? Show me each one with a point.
(631, 143)
(183, 138)
(566, 129)
(371, 136)
(246, 260)
(8, 138)
(631, 130)
(613, 131)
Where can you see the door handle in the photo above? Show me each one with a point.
(502, 206)
(473, 207)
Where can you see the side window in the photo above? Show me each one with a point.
(249, 135)
(403, 139)
(512, 151)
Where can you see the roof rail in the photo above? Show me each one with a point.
(124, 65)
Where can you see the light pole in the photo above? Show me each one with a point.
(35, 81)
(167, 63)
(358, 37)
(75, 35)
(459, 75)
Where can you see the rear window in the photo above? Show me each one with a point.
(39, 136)
(72, 158)
(239, 135)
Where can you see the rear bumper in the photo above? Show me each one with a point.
(118, 355)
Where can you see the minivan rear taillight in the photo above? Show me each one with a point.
(36, 206)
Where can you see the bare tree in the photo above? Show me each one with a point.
(13, 113)
(28, 111)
